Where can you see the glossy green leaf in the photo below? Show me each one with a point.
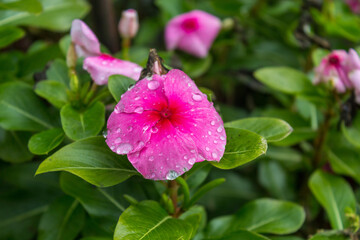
(82, 124)
(95, 200)
(31, 6)
(272, 129)
(52, 91)
(13, 146)
(284, 79)
(56, 15)
(44, 142)
(23, 112)
(196, 216)
(335, 195)
(269, 216)
(345, 161)
(92, 160)
(204, 189)
(352, 134)
(149, 221)
(242, 147)
(9, 35)
(63, 220)
(243, 235)
(330, 235)
(118, 85)
(59, 72)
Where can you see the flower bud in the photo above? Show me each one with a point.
(129, 23)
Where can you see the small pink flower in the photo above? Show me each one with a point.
(333, 70)
(353, 65)
(354, 5)
(165, 124)
(193, 32)
(129, 23)
(103, 66)
(86, 43)
(100, 66)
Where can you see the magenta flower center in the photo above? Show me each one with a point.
(334, 60)
(190, 25)
(165, 113)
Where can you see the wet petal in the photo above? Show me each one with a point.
(103, 66)
(86, 43)
(167, 155)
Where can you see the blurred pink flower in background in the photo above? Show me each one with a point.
(128, 24)
(332, 69)
(193, 32)
(353, 65)
(354, 5)
(165, 124)
(100, 66)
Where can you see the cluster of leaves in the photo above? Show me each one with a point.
(51, 118)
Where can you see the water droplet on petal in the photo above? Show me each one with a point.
(219, 129)
(212, 123)
(196, 97)
(137, 98)
(141, 144)
(129, 128)
(124, 148)
(154, 129)
(145, 128)
(192, 161)
(151, 158)
(152, 85)
(222, 138)
(171, 175)
(192, 151)
(168, 136)
(214, 155)
(209, 132)
(118, 140)
(139, 110)
(207, 149)
(201, 157)
(185, 157)
(118, 130)
(215, 141)
(131, 87)
(105, 133)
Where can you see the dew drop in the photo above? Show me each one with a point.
(212, 123)
(219, 129)
(151, 158)
(118, 140)
(215, 141)
(154, 129)
(131, 87)
(152, 85)
(139, 110)
(137, 98)
(141, 144)
(171, 175)
(209, 132)
(207, 149)
(112, 147)
(196, 97)
(129, 128)
(168, 136)
(192, 151)
(222, 138)
(145, 128)
(192, 161)
(214, 155)
(124, 148)
(118, 130)
(105, 133)
(185, 157)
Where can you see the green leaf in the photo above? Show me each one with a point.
(335, 195)
(23, 112)
(272, 129)
(56, 15)
(31, 6)
(284, 79)
(118, 85)
(59, 72)
(148, 220)
(196, 216)
(195, 67)
(330, 235)
(44, 142)
(352, 134)
(62, 221)
(95, 200)
(9, 35)
(242, 147)
(243, 235)
(204, 189)
(13, 146)
(318, 54)
(52, 91)
(92, 160)
(269, 216)
(78, 125)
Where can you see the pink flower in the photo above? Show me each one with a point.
(333, 70)
(86, 43)
(354, 5)
(193, 32)
(129, 23)
(165, 124)
(353, 65)
(100, 66)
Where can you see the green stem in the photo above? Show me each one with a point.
(90, 93)
(125, 48)
(185, 189)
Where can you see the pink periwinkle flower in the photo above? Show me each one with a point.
(100, 66)
(333, 70)
(193, 32)
(354, 5)
(165, 125)
(353, 65)
(129, 23)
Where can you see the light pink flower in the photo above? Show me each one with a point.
(100, 66)
(86, 43)
(354, 5)
(353, 65)
(103, 66)
(192, 32)
(129, 23)
(165, 124)
(333, 70)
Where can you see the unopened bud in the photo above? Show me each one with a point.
(71, 57)
(129, 23)
(228, 24)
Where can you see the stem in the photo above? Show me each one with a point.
(90, 93)
(125, 48)
(320, 139)
(173, 192)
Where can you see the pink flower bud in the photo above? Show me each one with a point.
(129, 23)
(354, 5)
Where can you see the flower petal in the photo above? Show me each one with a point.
(353, 60)
(129, 132)
(103, 66)
(192, 44)
(85, 40)
(167, 155)
(209, 27)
